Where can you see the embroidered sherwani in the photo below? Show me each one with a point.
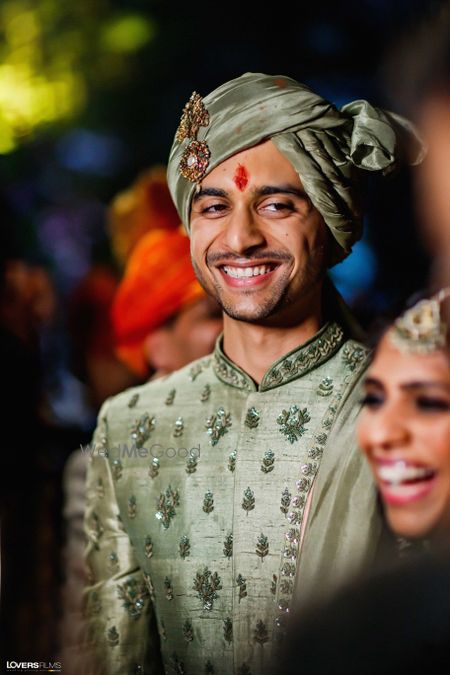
(215, 505)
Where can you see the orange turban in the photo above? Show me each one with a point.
(144, 206)
(158, 282)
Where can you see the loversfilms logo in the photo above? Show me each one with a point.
(33, 666)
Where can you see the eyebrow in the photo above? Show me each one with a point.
(263, 191)
(409, 386)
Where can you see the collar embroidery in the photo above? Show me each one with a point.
(290, 367)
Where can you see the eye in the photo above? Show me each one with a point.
(278, 207)
(213, 209)
(372, 400)
(432, 404)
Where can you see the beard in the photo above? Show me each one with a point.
(278, 297)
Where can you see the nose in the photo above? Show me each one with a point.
(385, 429)
(242, 231)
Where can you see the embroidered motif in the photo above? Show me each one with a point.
(148, 546)
(166, 506)
(285, 501)
(188, 631)
(353, 355)
(177, 665)
(113, 561)
(133, 596)
(232, 461)
(208, 502)
(248, 502)
(306, 358)
(191, 463)
(228, 545)
(293, 422)
(206, 393)
(228, 630)
(287, 586)
(141, 429)
(227, 374)
(288, 569)
(185, 547)
(178, 427)
(217, 425)
(262, 546)
(209, 668)
(325, 388)
(267, 463)
(117, 469)
(273, 585)
(315, 453)
(252, 418)
(260, 633)
(112, 636)
(198, 368)
(169, 588)
(321, 438)
(303, 485)
(132, 507)
(193, 117)
(298, 501)
(133, 400)
(307, 469)
(242, 583)
(162, 631)
(294, 518)
(170, 397)
(95, 531)
(207, 584)
(154, 468)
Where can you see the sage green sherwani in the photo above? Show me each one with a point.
(195, 518)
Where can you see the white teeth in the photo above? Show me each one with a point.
(244, 272)
(400, 471)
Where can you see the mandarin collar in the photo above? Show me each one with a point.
(289, 367)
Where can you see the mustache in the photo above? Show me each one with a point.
(229, 256)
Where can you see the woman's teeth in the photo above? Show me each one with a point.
(402, 472)
(243, 272)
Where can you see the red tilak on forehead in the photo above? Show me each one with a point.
(241, 177)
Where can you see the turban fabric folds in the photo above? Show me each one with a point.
(329, 148)
(159, 281)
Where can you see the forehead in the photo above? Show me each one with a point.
(264, 163)
(392, 366)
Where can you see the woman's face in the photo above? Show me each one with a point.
(404, 431)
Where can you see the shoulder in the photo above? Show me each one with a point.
(159, 390)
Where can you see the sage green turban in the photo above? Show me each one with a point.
(329, 148)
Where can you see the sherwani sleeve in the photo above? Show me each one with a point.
(119, 634)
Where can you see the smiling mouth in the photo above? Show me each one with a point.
(402, 483)
(248, 272)
(403, 473)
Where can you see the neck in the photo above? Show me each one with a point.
(255, 347)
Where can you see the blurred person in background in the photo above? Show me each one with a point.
(156, 319)
(398, 621)
(27, 309)
(419, 83)
(211, 551)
